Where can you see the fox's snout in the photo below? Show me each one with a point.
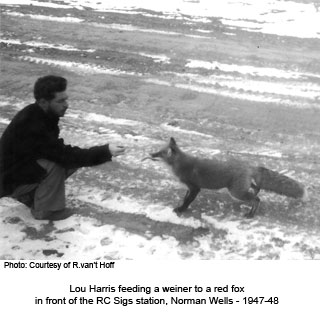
(155, 155)
(167, 153)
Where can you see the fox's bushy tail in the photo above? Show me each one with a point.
(281, 184)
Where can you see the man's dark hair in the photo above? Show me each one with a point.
(46, 87)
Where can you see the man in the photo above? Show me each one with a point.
(35, 162)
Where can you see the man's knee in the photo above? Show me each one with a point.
(49, 194)
(51, 167)
(55, 169)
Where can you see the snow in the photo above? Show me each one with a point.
(50, 18)
(61, 47)
(285, 18)
(245, 69)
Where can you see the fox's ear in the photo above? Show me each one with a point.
(172, 142)
(172, 147)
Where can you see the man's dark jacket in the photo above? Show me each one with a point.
(34, 134)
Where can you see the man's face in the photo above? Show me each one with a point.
(59, 104)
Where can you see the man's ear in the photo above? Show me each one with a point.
(43, 103)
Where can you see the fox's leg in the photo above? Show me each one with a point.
(249, 197)
(188, 199)
(254, 207)
(248, 194)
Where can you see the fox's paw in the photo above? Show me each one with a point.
(248, 215)
(179, 210)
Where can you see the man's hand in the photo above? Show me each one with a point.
(116, 150)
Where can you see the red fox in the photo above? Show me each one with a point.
(242, 180)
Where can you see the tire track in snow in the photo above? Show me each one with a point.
(299, 95)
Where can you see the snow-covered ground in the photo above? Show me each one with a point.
(224, 78)
(285, 18)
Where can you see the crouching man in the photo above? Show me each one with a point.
(35, 162)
